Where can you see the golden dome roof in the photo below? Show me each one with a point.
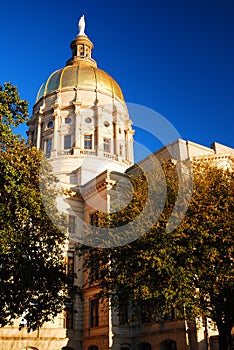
(81, 75)
(81, 71)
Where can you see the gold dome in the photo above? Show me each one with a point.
(81, 72)
(81, 75)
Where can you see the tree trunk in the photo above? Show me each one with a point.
(225, 338)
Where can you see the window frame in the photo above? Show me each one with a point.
(106, 144)
(94, 271)
(94, 219)
(94, 312)
(67, 142)
(123, 311)
(71, 224)
(88, 141)
(48, 146)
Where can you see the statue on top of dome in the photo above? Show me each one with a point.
(81, 26)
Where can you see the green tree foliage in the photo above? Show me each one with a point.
(207, 232)
(32, 271)
(13, 112)
(190, 268)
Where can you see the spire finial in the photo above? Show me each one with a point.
(81, 46)
(81, 26)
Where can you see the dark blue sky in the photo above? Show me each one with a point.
(175, 57)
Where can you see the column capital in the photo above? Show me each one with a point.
(77, 106)
(41, 111)
(55, 114)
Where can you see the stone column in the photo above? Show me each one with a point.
(55, 143)
(125, 156)
(115, 138)
(115, 132)
(56, 116)
(129, 142)
(39, 132)
(130, 146)
(98, 143)
(77, 133)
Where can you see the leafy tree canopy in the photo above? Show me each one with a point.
(32, 270)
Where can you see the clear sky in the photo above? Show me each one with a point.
(175, 57)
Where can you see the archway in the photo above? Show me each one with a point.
(168, 345)
(144, 346)
(125, 346)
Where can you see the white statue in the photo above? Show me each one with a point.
(81, 26)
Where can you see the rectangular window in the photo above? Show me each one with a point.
(68, 313)
(71, 224)
(67, 142)
(73, 179)
(70, 262)
(170, 315)
(123, 311)
(94, 309)
(48, 147)
(148, 313)
(68, 319)
(94, 265)
(94, 219)
(106, 145)
(121, 150)
(87, 141)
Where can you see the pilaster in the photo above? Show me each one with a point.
(77, 132)
(39, 130)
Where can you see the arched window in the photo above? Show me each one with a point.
(144, 346)
(125, 346)
(168, 345)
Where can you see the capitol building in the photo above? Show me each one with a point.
(81, 122)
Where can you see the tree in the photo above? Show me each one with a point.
(190, 268)
(13, 112)
(32, 270)
(208, 234)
